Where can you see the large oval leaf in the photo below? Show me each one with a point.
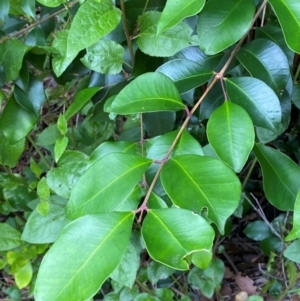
(175, 11)
(85, 254)
(280, 177)
(230, 132)
(229, 23)
(106, 184)
(258, 99)
(181, 232)
(201, 183)
(258, 58)
(288, 14)
(150, 92)
(185, 74)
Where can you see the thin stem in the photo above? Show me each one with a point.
(145, 7)
(126, 31)
(39, 151)
(144, 287)
(297, 74)
(23, 31)
(249, 173)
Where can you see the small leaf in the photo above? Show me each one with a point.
(257, 231)
(62, 124)
(24, 275)
(202, 259)
(288, 14)
(43, 190)
(105, 57)
(230, 132)
(196, 183)
(106, 184)
(10, 238)
(150, 92)
(51, 3)
(157, 271)
(258, 99)
(295, 232)
(60, 147)
(180, 231)
(292, 251)
(43, 208)
(230, 22)
(175, 11)
(185, 74)
(280, 177)
(89, 239)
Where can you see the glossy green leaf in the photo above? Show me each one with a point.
(280, 177)
(201, 183)
(230, 132)
(181, 233)
(288, 14)
(45, 229)
(11, 57)
(105, 56)
(150, 92)
(24, 275)
(230, 22)
(258, 99)
(258, 58)
(125, 273)
(185, 74)
(292, 251)
(295, 232)
(80, 100)
(59, 147)
(258, 231)
(10, 238)
(51, 3)
(175, 11)
(167, 43)
(89, 239)
(103, 187)
(202, 259)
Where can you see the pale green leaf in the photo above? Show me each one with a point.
(150, 92)
(181, 233)
(295, 232)
(62, 124)
(24, 275)
(60, 147)
(88, 249)
(230, 132)
(292, 251)
(177, 10)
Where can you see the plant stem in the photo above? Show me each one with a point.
(39, 151)
(249, 173)
(126, 31)
(144, 287)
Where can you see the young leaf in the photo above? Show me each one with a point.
(280, 177)
(181, 233)
(295, 233)
(292, 251)
(288, 14)
(43, 190)
(258, 58)
(167, 43)
(89, 240)
(201, 183)
(150, 92)
(105, 57)
(24, 275)
(60, 147)
(230, 132)
(258, 99)
(229, 23)
(175, 11)
(106, 184)
(185, 74)
(10, 238)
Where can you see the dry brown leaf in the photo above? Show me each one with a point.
(245, 284)
(228, 274)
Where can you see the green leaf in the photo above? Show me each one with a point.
(80, 100)
(280, 177)
(157, 271)
(185, 74)
(45, 229)
(60, 147)
(221, 26)
(10, 238)
(196, 183)
(258, 99)
(202, 259)
(258, 58)
(28, 6)
(105, 56)
(257, 231)
(175, 11)
(125, 273)
(181, 232)
(295, 232)
(288, 14)
(24, 275)
(230, 132)
(106, 184)
(89, 239)
(43, 190)
(150, 92)
(167, 43)
(51, 3)
(145, 297)
(43, 208)
(292, 251)
(62, 124)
